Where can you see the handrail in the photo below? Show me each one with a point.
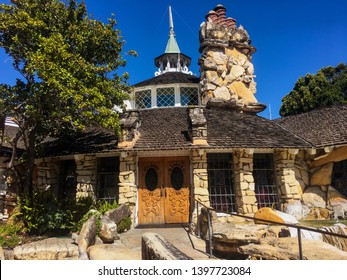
(298, 227)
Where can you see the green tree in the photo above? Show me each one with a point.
(68, 64)
(326, 88)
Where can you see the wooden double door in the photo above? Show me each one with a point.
(164, 190)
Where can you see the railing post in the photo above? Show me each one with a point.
(300, 244)
(209, 232)
(197, 219)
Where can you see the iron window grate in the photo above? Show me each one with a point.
(220, 182)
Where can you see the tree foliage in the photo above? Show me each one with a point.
(326, 88)
(68, 64)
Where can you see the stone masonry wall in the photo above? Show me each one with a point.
(289, 187)
(227, 74)
(86, 175)
(127, 183)
(244, 182)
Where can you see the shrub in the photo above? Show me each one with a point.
(103, 206)
(124, 225)
(10, 235)
(85, 218)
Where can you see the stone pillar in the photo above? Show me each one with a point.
(127, 182)
(244, 182)
(289, 188)
(198, 126)
(200, 184)
(46, 174)
(85, 175)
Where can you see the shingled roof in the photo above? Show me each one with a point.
(91, 140)
(232, 129)
(163, 129)
(169, 78)
(321, 127)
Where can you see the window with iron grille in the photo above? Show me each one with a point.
(143, 99)
(265, 183)
(189, 96)
(108, 178)
(339, 176)
(166, 97)
(220, 182)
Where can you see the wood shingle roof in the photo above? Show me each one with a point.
(321, 127)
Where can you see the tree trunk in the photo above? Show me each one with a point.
(31, 153)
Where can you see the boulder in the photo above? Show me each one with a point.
(288, 249)
(118, 214)
(112, 252)
(272, 215)
(335, 198)
(86, 237)
(108, 231)
(322, 175)
(314, 197)
(227, 238)
(297, 209)
(155, 247)
(47, 249)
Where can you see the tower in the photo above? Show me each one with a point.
(172, 60)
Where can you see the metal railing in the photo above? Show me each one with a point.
(299, 228)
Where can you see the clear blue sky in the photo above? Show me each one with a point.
(292, 38)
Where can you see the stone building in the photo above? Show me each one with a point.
(186, 138)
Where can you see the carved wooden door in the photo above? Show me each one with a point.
(164, 190)
(177, 190)
(151, 193)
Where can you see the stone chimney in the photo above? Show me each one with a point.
(198, 126)
(227, 73)
(129, 123)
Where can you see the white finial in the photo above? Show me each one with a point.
(171, 21)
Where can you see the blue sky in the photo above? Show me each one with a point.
(292, 38)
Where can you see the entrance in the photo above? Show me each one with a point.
(164, 190)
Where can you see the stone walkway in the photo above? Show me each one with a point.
(176, 235)
(127, 248)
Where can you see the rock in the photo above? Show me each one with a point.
(322, 175)
(314, 197)
(269, 214)
(108, 231)
(338, 242)
(112, 252)
(227, 238)
(155, 247)
(86, 237)
(288, 249)
(118, 214)
(335, 198)
(297, 210)
(47, 249)
(318, 214)
(2, 255)
(222, 93)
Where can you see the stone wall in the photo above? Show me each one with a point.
(127, 182)
(46, 174)
(86, 175)
(288, 186)
(244, 182)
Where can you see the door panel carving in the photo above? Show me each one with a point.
(164, 190)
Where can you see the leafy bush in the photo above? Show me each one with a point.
(85, 218)
(103, 206)
(43, 213)
(10, 235)
(124, 225)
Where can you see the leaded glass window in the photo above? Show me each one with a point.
(165, 97)
(143, 99)
(189, 96)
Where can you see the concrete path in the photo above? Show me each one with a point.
(177, 235)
